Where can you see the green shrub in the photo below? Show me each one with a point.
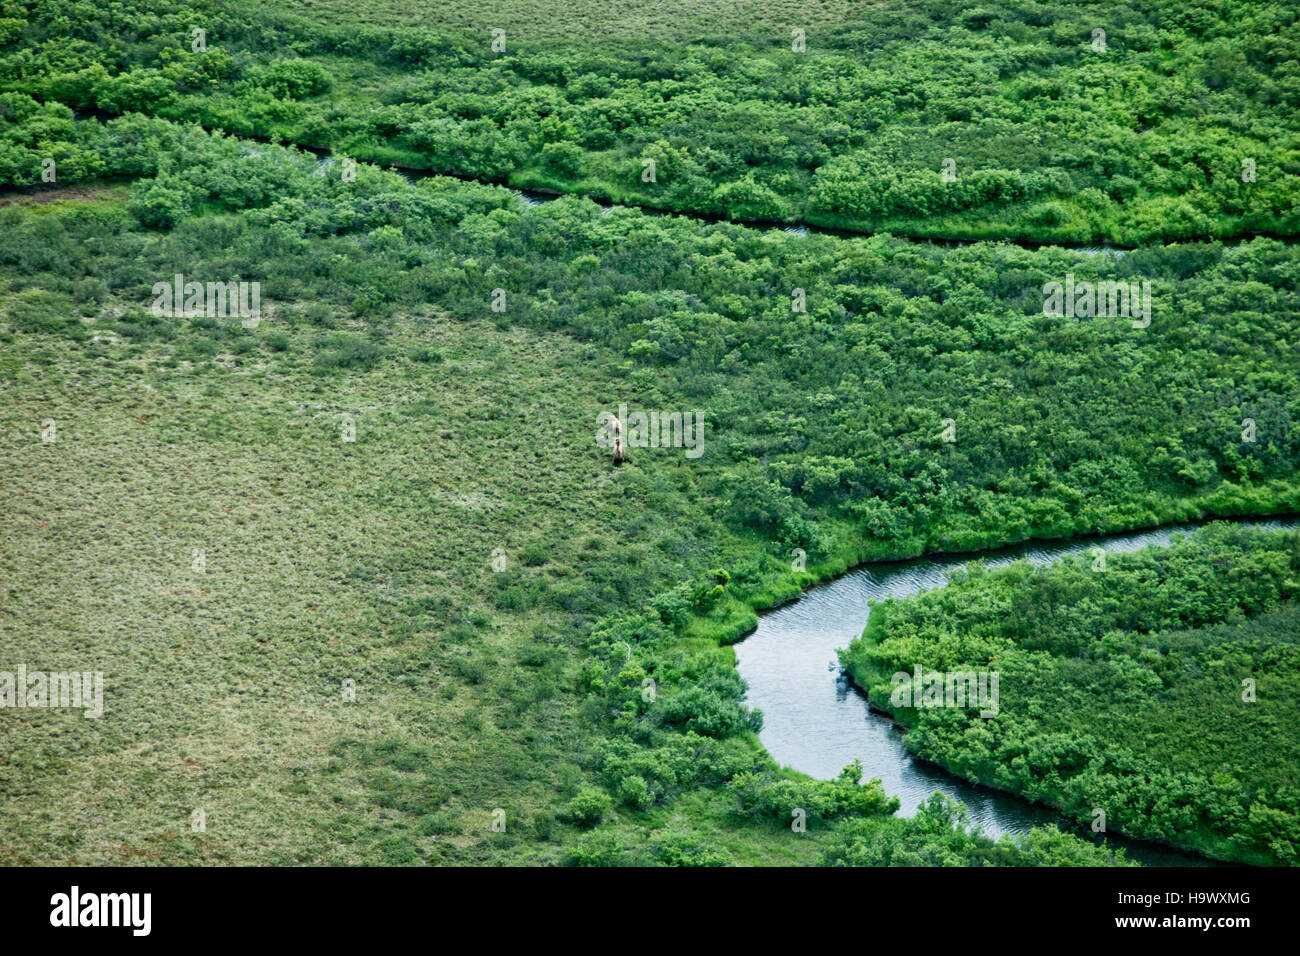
(543, 824)
(441, 823)
(562, 159)
(778, 799)
(349, 351)
(598, 849)
(294, 79)
(425, 354)
(534, 554)
(588, 807)
(686, 849)
(633, 791)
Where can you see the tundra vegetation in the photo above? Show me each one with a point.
(1062, 122)
(1156, 688)
(537, 642)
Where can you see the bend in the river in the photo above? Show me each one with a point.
(815, 722)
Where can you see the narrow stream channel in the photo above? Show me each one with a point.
(814, 721)
(531, 197)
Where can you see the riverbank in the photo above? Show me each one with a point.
(1159, 678)
(815, 722)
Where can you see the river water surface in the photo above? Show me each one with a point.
(814, 721)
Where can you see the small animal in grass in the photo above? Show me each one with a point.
(617, 428)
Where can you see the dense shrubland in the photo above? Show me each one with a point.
(1050, 138)
(824, 428)
(1123, 689)
(939, 835)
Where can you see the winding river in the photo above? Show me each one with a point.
(816, 722)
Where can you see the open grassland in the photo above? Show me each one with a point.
(322, 561)
(325, 560)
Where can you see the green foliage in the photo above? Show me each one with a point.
(633, 792)
(781, 799)
(1166, 639)
(598, 849)
(426, 354)
(685, 849)
(159, 204)
(588, 807)
(293, 79)
(348, 351)
(852, 132)
(939, 835)
(591, 666)
(711, 706)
